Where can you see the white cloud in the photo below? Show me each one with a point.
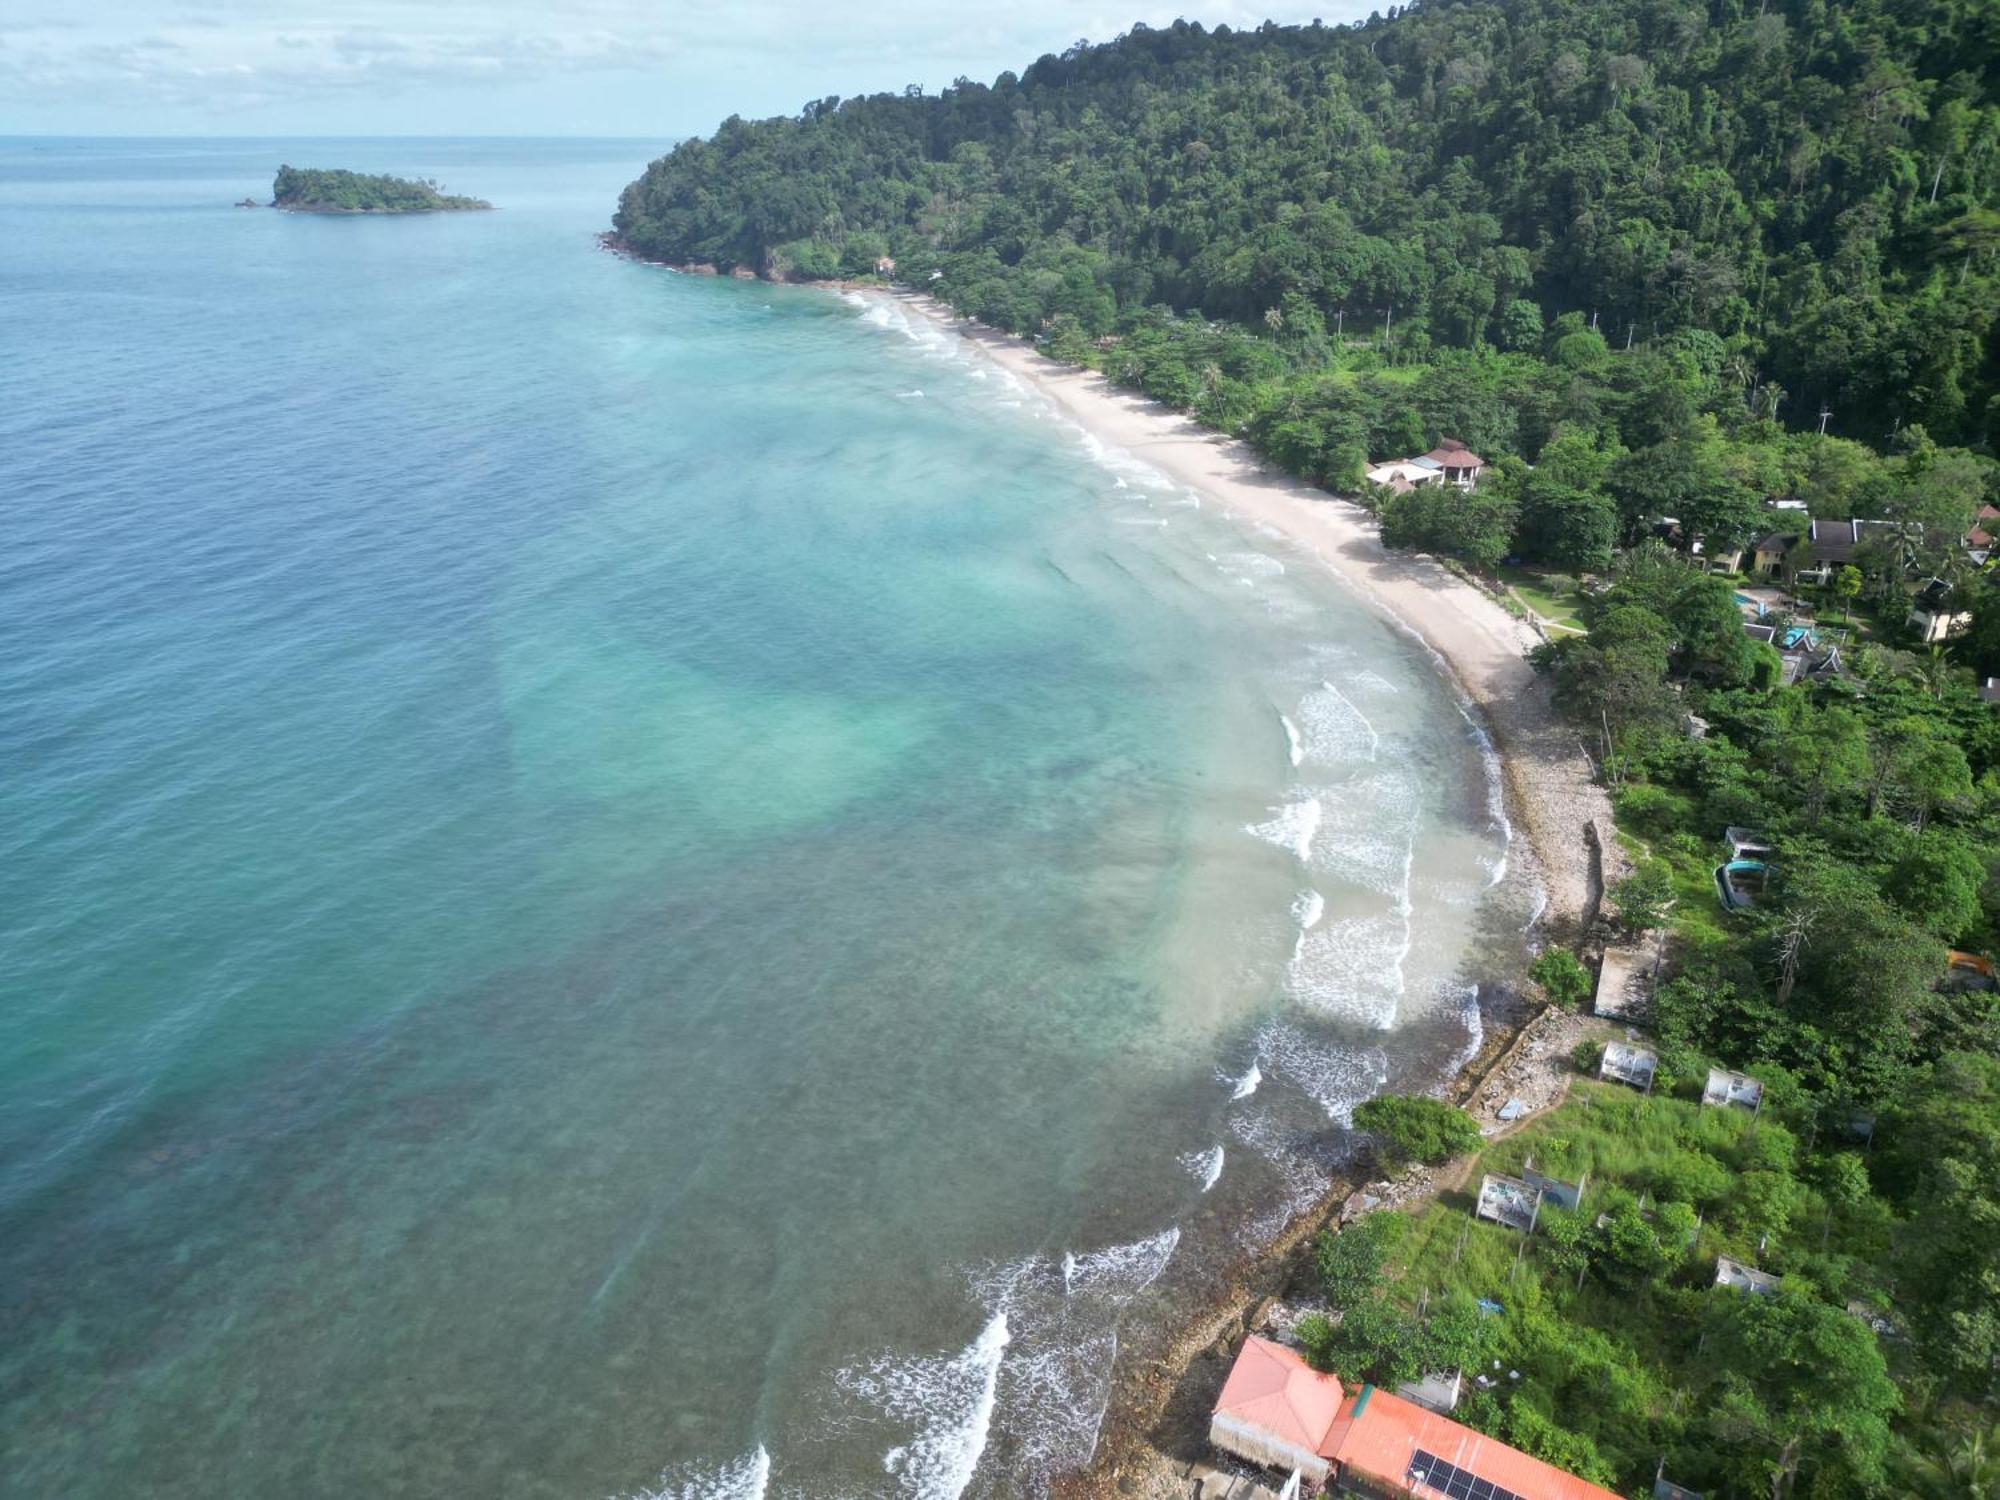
(342, 59)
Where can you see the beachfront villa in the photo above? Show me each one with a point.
(1450, 462)
(1278, 1412)
(1403, 475)
(1454, 462)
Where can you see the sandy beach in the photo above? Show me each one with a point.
(1552, 797)
(1153, 1438)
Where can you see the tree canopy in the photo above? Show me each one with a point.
(1792, 200)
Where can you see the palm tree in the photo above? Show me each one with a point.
(1968, 1469)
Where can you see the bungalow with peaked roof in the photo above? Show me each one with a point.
(1276, 1410)
(1453, 462)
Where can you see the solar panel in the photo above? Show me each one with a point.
(1450, 1480)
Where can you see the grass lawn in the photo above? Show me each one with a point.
(1617, 1359)
(1535, 590)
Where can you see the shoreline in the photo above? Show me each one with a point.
(1172, 1355)
(1549, 783)
(1153, 1428)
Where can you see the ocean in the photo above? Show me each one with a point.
(624, 884)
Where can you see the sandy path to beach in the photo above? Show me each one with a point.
(1552, 797)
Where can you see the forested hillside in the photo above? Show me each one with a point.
(1811, 185)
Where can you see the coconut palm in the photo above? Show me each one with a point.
(1961, 1466)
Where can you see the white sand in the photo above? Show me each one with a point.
(1551, 794)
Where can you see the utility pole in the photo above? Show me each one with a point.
(1630, 329)
(1825, 411)
(1388, 324)
(1593, 320)
(1339, 320)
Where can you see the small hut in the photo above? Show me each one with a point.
(1625, 1063)
(1733, 1273)
(1508, 1201)
(1276, 1410)
(1739, 1089)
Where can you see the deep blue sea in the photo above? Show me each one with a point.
(614, 883)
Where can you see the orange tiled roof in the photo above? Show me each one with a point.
(1378, 1434)
(1273, 1388)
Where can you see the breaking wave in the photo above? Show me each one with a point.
(748, 1478)
(1336, 730)
(1291, 827)
(949, 1399)
(1294, 746)
(1205, 1167)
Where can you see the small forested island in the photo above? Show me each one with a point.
(308, 190)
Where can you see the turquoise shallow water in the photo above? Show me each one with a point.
(612, 882)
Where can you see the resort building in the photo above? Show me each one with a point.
(1979, 540)
(1278, 1412)
(1450, 462)
(1403, 474)
(1454, 463)
(1814, 555)
(1932, 616)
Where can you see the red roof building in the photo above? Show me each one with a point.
(1278, 1411)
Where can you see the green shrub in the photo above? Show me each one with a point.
(1350, 1260)
(1411, 1128)
(1562, 977)
(1643, 897)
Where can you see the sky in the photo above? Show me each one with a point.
(667, 68)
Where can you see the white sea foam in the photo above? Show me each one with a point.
(910, 395)
(1336, 730)
(948, 1399)
(747, 1478)
(1205, 1167)
(1307, 908)
(1375, 682)
(1496, 798)
(1252, 565)
(1535, 913)
(1245, 1085)
(1121, 464)
(1294, 745)
(1467, 998)
(1335, 1075)
(1304, 1176)
(1292, 827)
(1118, 1273)
(1350, 968)
(1368, 830)
(1056, 1375)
